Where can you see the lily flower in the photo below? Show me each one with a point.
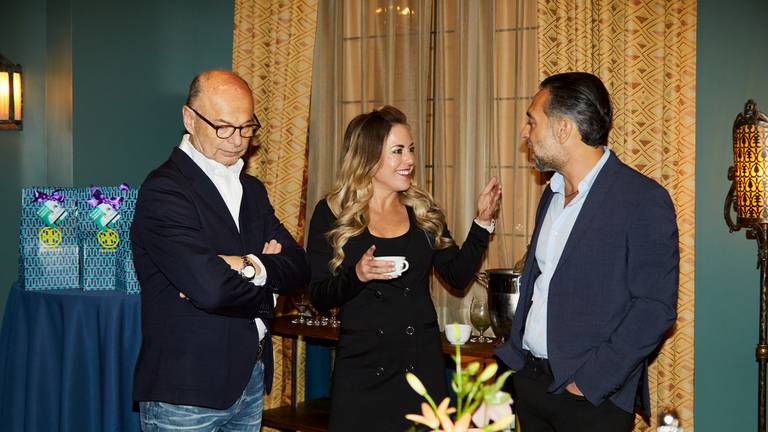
(485, 414)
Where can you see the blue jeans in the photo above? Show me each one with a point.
(243, 416)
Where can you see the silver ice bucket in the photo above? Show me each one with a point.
(503, 286)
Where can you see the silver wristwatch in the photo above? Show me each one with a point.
(248, 272)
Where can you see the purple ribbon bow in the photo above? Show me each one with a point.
(40, 196)
(97, 197)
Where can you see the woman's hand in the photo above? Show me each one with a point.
(488, 202)
(368, 269)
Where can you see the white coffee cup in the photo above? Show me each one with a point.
(457, 334)
(401, 264)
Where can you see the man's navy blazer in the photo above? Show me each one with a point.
(202, 351)
(613, 295)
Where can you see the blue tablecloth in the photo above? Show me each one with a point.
(66, 361)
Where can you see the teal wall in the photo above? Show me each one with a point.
(131, 63)
(22, 153)
(732, 66)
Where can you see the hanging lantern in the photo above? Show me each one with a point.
(10, 95)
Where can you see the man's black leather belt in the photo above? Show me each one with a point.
(262, 342)
(538, 365)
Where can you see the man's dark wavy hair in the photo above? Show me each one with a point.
(584, 98)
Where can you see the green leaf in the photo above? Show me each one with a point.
(500, 381)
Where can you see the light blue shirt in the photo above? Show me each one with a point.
(553, 235)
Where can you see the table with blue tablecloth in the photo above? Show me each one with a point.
(66, 361)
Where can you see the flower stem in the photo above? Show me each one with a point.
(459, 394)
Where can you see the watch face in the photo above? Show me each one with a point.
(248, 272)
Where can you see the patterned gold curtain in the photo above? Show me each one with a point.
(464, 72)
(645, 52)
(273, 46)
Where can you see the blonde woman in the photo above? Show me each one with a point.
(389, 325)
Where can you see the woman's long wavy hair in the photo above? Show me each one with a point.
(348, 200)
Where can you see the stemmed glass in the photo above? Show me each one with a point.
(335, 313)
(480, 318)
(302, 303)
(314, 317)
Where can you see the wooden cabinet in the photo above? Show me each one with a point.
(312, 416)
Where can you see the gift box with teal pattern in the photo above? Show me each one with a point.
(48, 243)
(100, 232)
(125, 277)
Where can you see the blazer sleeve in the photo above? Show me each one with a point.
(167, 227)
(327, 290)
(652, 278)
(287, 271)
(457, 266)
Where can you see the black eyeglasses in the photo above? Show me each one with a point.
(226, 131)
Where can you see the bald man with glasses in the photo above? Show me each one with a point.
(210, 255)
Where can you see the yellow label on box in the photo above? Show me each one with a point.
(108, 239)
(49, 236)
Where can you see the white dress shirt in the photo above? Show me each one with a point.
(227, 182)
(553, 235)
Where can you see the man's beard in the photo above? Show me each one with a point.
(543, 165)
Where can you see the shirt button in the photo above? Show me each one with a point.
(406, 291)
(409, 330)
(377, 294)
(410, 368)
(379, 371)
(379, 332)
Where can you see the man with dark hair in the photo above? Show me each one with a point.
(599, 286)
(210, 256)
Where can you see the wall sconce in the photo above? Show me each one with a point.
(748, 197)
(10, 95)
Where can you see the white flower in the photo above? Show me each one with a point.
(487, 413)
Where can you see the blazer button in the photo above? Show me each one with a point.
(379, 332)
(409, 330)
(377, 294)
(406, 291)
(379, 371)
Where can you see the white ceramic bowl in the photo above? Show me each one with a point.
(458, 334)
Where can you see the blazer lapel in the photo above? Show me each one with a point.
(530, 258)
(591, 208)
(211, 198)
(249, 213)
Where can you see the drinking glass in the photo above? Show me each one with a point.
(334, 314)
(314, 317)
(480, 318)
(302, 303)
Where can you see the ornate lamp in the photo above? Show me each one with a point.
(748, 197)
(10, 95)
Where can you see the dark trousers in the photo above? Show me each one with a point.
(541, 411)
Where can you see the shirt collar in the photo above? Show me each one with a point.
(557, 183)
(209, 166)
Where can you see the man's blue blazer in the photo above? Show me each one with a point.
(613, 295)
(202, 351)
